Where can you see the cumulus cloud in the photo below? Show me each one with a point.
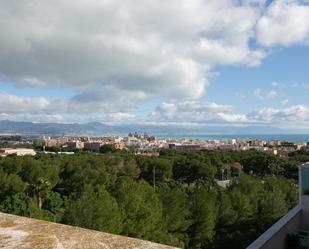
(219, 52)
(40, 109)
(233, 118)
(117, 53)
(278, 84)
(104, 106)
(258, 93)
(39, 117)
(192, 111)
(212, 113)
(285, 22)
(108, 99)
(295, 114)
(240, 95)
(20, 104)
(165, 49)
(284, 102)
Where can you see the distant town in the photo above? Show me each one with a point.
(143, 144)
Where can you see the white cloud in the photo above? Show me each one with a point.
(233, 118)
(166, 49)
(278, 84)
(284, 102)
(220, 52)
(240, 95)
(117, 53)
(285, 22)
(107, 99)
(274, 84)
(108, 102)
(258, 93)
(192, 111)
(293, 114)
(271, 94)
(40, 117)
(212, 113)
(40, 109)
(20, 104)
(306, 85)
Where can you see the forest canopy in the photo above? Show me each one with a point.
(172, 199)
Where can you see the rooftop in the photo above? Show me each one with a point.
(27, 233)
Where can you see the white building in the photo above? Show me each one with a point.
(17, 151)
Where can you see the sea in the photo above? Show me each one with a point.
(294, 138)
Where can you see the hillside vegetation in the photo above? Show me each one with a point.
(171, 199)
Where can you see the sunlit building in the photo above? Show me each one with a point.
(17, 151)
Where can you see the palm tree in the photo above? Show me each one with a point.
(40, 187)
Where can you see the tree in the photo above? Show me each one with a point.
(261, 163)
(34, 170)
(113, 192)
(191, 169)
(10, 184)
(97, 171)
(39, 176)
(92, 210)
(130, 168)
(11, 164)
(271, 207)
(54, 203)
(20, 204)
(108, 148)
(227, 215)
(39, 188)
(204, 211)
(141, 206)
(241, 201)
(176, 213)
(155, 169)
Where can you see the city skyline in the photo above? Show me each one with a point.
(225, 63)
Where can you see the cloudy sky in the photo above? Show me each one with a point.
(235, 62)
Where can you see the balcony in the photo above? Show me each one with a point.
(292, 230)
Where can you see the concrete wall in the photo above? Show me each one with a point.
(305, 219)
(21, 232)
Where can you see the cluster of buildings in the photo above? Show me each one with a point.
(92, 144)
(146, 144)
(276, 147)
(149, 145)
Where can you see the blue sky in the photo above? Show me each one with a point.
(288, 66)
(216, 62)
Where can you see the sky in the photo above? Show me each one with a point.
(180, 62)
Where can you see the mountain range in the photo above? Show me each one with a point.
(100, 129)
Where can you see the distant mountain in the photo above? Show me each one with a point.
(97, 129)
(29, 128)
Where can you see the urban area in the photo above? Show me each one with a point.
(141, 144)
